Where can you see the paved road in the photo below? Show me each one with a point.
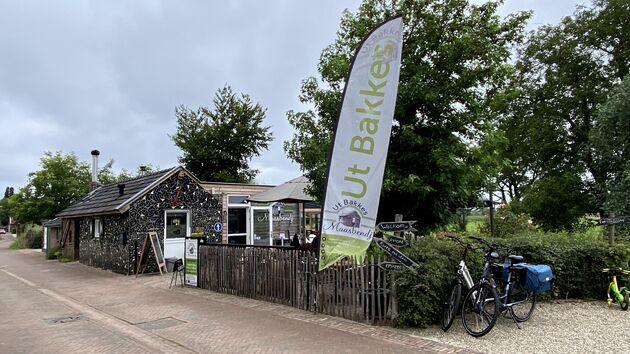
(52, 307)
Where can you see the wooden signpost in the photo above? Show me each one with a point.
(151, 238)
(396, 254)
(397, 241)
(396, 226)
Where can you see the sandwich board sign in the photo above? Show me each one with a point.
(151, 241)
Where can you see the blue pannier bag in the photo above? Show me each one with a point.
(538, 278)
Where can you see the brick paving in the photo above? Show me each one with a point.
(111, 313)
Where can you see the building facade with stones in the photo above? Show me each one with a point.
(107, 228)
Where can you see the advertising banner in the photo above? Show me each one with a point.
(359, 150)
(190, 274)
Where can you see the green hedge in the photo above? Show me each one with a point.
(30, 236)
(576, 259)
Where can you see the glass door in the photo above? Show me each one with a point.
(176, 228)
(262, 226)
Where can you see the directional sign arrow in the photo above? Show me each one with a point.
(615, 221)
(391, 266)
(396, 254)
(396, 226)
(397, 241)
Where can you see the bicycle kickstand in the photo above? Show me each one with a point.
(514, 319)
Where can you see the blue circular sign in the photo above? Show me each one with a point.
(218, 227)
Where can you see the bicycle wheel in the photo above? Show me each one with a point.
(451, 306)
(523, 301)
(481, 310)
(626, 299)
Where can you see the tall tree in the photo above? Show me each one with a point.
(611, 146)
(62, 180)
(563, 73)
(218, 144)
(443, 148)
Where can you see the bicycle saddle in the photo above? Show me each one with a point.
(515, 259)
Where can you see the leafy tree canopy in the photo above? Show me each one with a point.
(564, 72)
(443, 145)
(611, 145)
(218, 144)
(61, 181)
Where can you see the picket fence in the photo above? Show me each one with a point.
(356, 291)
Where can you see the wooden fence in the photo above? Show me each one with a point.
(360, 292)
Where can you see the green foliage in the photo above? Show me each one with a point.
(30, 236)
(562, 74)
(611, 142)
(506, 222)
(5, 211)
(61, 181)
(557, 202)
(443, 145)
(576, 260)
(217, 145)
(422, 292)
(54, 253)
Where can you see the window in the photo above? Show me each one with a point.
(96, 227)
(176, 225)
(237, 221)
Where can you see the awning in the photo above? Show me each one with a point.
(293, 191)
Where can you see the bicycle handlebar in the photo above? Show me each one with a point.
(619, 271)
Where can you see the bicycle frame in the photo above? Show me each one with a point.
(614, 287)
(464, 273)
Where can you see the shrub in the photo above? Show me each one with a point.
(422, 292)
(54, 253)
(576, 260)
(29, 236)
(507, 222)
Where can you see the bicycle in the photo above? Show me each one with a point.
(452, 304)
(484, 303)
(620, 295)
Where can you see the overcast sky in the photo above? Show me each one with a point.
(107, 75)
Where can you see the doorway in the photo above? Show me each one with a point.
(176, 229)
(262, 228)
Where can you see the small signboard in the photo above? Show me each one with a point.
(151, 240)
(391, 266)
(615, 220)
(396, 226)
(397, 241)
(218, 227)
(190, 273)
(396, 254)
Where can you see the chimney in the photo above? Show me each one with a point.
(143, 170)
(94, 183)
(121, 189)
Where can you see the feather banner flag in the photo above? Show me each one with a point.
(359, 149)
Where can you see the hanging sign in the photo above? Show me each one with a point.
(359, 150)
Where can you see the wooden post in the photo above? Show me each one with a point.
(394, 298)
(611, 233)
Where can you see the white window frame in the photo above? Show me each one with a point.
(179, 211)
(245, 206)
(97, 227)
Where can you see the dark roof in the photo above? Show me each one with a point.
(107, 199)
(56, 222)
